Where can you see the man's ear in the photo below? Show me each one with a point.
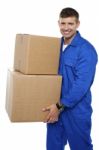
(58, 23)
(78, 24)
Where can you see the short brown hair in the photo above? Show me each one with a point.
(69, 12)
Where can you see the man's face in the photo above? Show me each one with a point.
(68, 27)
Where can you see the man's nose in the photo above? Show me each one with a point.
(66, 26)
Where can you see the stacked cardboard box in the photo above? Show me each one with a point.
(34, 83)
(36, 54)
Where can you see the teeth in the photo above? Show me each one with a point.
(66, 32)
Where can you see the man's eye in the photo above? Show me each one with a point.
(63, 23)
(70, 23)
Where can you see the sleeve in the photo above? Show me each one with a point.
(84, 76)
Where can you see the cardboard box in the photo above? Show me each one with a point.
(26, 95)
(36, 54)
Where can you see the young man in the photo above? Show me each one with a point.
(78, 60)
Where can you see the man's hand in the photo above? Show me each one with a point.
(53, 113)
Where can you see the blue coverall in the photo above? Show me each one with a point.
(77, 67)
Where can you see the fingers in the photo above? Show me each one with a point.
(46, 109)
(51, 119)
(52, 115)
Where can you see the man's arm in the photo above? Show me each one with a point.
(85, 71)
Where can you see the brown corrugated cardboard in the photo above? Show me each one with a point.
(28, 94)
(36, 54)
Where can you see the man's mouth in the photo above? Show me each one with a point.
(66, 32)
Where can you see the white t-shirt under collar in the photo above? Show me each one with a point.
(64, 46)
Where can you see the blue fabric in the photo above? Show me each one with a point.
(77, 67)
(74, 129)
(56, 139)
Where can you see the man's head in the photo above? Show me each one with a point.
(68, 23)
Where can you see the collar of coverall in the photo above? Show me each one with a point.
(76, 40)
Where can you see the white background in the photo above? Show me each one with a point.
(39, 17)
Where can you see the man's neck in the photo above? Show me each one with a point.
(67, 41)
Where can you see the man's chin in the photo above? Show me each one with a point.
(67, 36)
